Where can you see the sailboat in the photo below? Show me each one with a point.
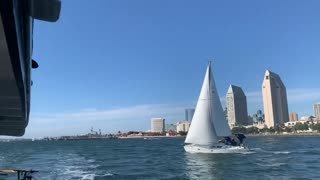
(209, 129)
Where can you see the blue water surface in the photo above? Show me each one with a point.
(269, 158)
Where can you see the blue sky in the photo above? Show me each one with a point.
(115, 64)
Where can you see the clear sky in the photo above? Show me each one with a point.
(115, 64)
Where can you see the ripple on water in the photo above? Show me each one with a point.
(155, 159)
(75, 166)
(272, 164)
(281, 152)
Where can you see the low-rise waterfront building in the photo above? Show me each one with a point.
(183, 126)
(259, 126)
(316, 120)
(290, 123)
(304, 118)
(293, 123)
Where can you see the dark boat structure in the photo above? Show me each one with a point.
(21, 174)
(16, 44)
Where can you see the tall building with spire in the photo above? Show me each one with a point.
(237, 112)
(274, 100)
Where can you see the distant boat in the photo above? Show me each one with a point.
(209, 131)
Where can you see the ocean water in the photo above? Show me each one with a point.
(269, 158)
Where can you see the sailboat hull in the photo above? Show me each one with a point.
(215, 149)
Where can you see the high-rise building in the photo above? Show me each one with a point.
(189, 114)
(316, 108)
(237, 112)
(225, 111)
(157, 125)
(274, 100)
(293, 116)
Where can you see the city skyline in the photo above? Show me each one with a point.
(137, 60)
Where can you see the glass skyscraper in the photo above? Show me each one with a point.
(236, 106)
(189, 114)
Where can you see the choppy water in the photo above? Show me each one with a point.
(269, 158)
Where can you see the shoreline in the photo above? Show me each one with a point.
(173, 137)
(150, 137)
(248, 135)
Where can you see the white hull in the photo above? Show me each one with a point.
(216, 149)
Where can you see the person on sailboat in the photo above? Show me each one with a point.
(232, 141)
(240, 137)
(226, 140)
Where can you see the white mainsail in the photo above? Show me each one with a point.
(208, 121)
(219, 119)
